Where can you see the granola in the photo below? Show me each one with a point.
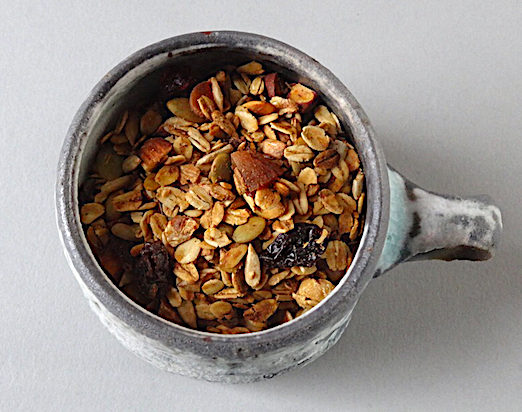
(231, 205)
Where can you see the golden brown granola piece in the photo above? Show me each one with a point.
(179, 229)
(261, 311)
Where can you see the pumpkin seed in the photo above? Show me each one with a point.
(221, 168)
(108, 164)
(250, 230)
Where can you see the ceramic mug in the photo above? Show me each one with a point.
(403, 221)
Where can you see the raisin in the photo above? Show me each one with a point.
(115, 257)
(176, 81)
(297, 247)
(153, 270)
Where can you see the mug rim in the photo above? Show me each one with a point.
(87, 269)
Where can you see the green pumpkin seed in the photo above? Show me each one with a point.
(220, 170)
(108, 164)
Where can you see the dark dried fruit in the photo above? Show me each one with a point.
(255, 169)
(175, 81)
(297, 247)
(153, 270)
(114, 257)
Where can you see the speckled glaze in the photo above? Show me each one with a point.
(421, 224)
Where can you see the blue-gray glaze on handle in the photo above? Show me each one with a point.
(427, 225)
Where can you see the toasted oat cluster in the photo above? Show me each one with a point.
(231, 206)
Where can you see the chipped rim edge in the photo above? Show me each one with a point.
(154, 327)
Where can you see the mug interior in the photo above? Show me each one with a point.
(143, 84)
(136, 80)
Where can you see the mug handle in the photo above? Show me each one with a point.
(426, 225)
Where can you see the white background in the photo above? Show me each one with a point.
(441, 82)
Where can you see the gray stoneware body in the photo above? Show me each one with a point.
(409, 223)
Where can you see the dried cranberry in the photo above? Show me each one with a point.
(153, 270)
(297, 247)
